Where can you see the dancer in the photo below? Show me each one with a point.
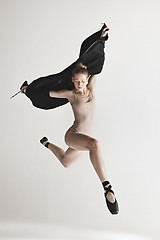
(82, 99)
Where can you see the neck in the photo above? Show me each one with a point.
(82, 92)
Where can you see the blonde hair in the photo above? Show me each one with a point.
(80, 68)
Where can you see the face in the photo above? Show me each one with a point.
(80, 81)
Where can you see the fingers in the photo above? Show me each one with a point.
(106, 28)
(104, 31)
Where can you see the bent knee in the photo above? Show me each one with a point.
(66, 165)
(94, 144)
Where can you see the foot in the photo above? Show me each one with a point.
(44, 143)
(110, 196)
(104, 32)
(111, 201)
(44, 140)
(23, 89)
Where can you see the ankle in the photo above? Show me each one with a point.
(105, 184)
(46, 145)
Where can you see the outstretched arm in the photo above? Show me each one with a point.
(60, 94)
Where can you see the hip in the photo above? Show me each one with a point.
(79, 129)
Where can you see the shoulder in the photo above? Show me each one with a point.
(71, 96)
(68, 92)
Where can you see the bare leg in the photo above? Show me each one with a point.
(65, 157)
(84, 142)
(99, 166)
(98, 163)
(79, 142)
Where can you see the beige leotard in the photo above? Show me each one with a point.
(83, 109)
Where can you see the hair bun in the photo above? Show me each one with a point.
(82, 65)
(80, 68)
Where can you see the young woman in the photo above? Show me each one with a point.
(77, 137)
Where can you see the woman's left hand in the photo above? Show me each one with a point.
(104, 32)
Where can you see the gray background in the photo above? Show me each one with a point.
(39, 38)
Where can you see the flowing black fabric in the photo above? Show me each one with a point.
(91, 54)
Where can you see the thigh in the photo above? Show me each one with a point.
(78, 141)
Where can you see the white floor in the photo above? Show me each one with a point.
(21, 231)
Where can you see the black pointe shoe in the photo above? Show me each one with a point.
(113, 207)
(44, 139)
(24, 84)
